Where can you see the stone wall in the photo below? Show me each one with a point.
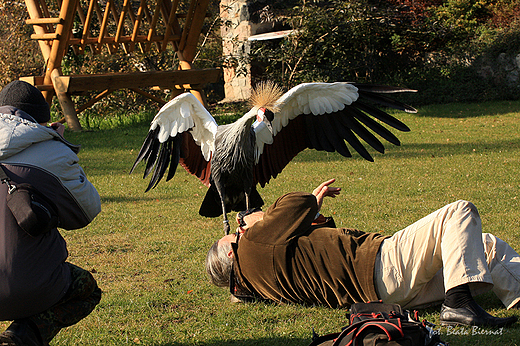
(241, 19)
(235, 30)
(503, 69)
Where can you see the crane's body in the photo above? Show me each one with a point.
(231, 181)
(232, 159)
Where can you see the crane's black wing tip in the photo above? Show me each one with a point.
(157, 157)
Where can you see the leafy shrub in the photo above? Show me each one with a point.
(453, 50)
(19, 55)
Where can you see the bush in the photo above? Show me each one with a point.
(19, 55)
(450, 50)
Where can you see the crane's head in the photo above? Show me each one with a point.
(265, 115)
(265, 99)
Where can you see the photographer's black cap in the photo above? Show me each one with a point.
(27, 98)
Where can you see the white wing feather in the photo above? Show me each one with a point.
(183, 113)
(263, 136)
(315, 98)
(307, 98)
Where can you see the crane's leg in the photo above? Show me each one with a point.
(221, 193)
(226, 221)
(248, 203)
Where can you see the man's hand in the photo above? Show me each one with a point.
(324, 190)
(58, 127)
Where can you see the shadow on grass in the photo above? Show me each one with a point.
(126, 199)
(443, 150)
(468, 110)
(415, 150)
(256, 342)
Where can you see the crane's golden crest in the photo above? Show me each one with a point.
(265, 95)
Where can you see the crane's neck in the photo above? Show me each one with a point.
(236, 145)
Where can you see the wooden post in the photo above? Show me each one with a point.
(34, 13)
(58, 50)
(188, 44)
(67, 106)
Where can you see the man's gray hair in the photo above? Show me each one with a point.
(218, 264)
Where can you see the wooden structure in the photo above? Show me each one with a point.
(114, 25)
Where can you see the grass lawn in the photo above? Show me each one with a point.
(147, 251)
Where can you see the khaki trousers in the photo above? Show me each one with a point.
(417, 265)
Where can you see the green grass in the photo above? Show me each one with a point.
(147, 250)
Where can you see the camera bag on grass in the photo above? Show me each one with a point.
(376, 323)
(34, 212)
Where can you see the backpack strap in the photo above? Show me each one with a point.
(391, 330)
(6, 180)
(349, 336)
(3, 176)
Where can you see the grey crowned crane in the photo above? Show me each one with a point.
(232, 159)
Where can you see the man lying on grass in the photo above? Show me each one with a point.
(293, 254)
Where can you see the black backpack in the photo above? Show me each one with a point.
(376, 323)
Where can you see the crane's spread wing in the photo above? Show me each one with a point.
(182, 131)
(323, 116)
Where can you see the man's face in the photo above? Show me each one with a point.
(230, 238)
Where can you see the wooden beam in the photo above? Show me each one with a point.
(137, 23)
(189, 47)
(59, 48)
(153, 24)
(168, 11)
(103, 29)
(45, 37)
(67, 106)
(86, 26)
(164, 79)
(187, 23)
(37, 81)
(99, 15)
(54, 36)
(171, 23)
(93, 100)
(42, 21)
(120, 24)
(115, 13)
(35, 12)
(33, 80)
(148, 95)
(123, 39)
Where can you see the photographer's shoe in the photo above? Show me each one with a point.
(5, 340)
(19, 334)
(472, 315)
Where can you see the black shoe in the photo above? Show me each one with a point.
(472, 315)
(20, 334)
(5, 340)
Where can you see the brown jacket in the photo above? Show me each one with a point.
(285, 258)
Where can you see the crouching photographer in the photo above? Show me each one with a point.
(43, 188)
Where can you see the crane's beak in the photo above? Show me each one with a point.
(266, 116)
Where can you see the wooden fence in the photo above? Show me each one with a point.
(106, 26)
